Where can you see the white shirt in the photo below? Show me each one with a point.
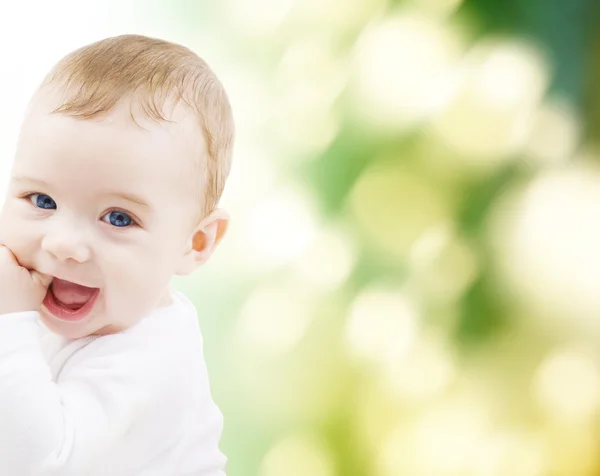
(135, 403)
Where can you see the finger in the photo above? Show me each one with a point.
(6, 253)
(41, 279)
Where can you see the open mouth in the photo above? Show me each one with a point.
(69, 301)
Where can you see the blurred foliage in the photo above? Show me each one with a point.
(411, 284)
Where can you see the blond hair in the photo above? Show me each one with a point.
(97, 76)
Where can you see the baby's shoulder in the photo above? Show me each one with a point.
(174, 324)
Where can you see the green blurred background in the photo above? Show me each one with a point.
(411, 282)
(412, 279)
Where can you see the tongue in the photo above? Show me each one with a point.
(71, 295)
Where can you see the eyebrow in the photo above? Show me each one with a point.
(130, 198)
(30, 179)
(124, 195)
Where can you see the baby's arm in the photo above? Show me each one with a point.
(70, 427)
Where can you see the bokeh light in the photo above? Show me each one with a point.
(309, 457)
(393, 206)
(443, 266)
(254, 18)
(399, 62)
(567, 385)
(555, 133)
(329, 259)
(309, 79)
(548, 235)
(441, 441)
(489, 118)
(382, 325)
(280, 227)
(427, 370)
(275, 318)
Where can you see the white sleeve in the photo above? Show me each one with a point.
(66, 428)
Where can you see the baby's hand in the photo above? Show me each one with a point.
(20, 289)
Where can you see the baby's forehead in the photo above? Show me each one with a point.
(132, 116)
(125, 128)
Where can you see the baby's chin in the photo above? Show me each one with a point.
(91, 326)
(96, 323)
(166, 300)
(64, 329)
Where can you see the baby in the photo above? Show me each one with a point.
(122, 157)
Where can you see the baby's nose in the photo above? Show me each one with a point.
(66, 245)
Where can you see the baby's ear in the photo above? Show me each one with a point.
(204, 240)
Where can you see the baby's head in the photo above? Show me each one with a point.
(121, 160)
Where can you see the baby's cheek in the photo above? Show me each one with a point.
(5, 229)
(21, 238)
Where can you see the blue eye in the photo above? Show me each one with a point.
(118, 219)
(42, 201)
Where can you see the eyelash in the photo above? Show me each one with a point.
(134, 221)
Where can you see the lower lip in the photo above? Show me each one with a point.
(65, 314)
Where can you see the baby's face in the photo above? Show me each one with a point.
(104, 204)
